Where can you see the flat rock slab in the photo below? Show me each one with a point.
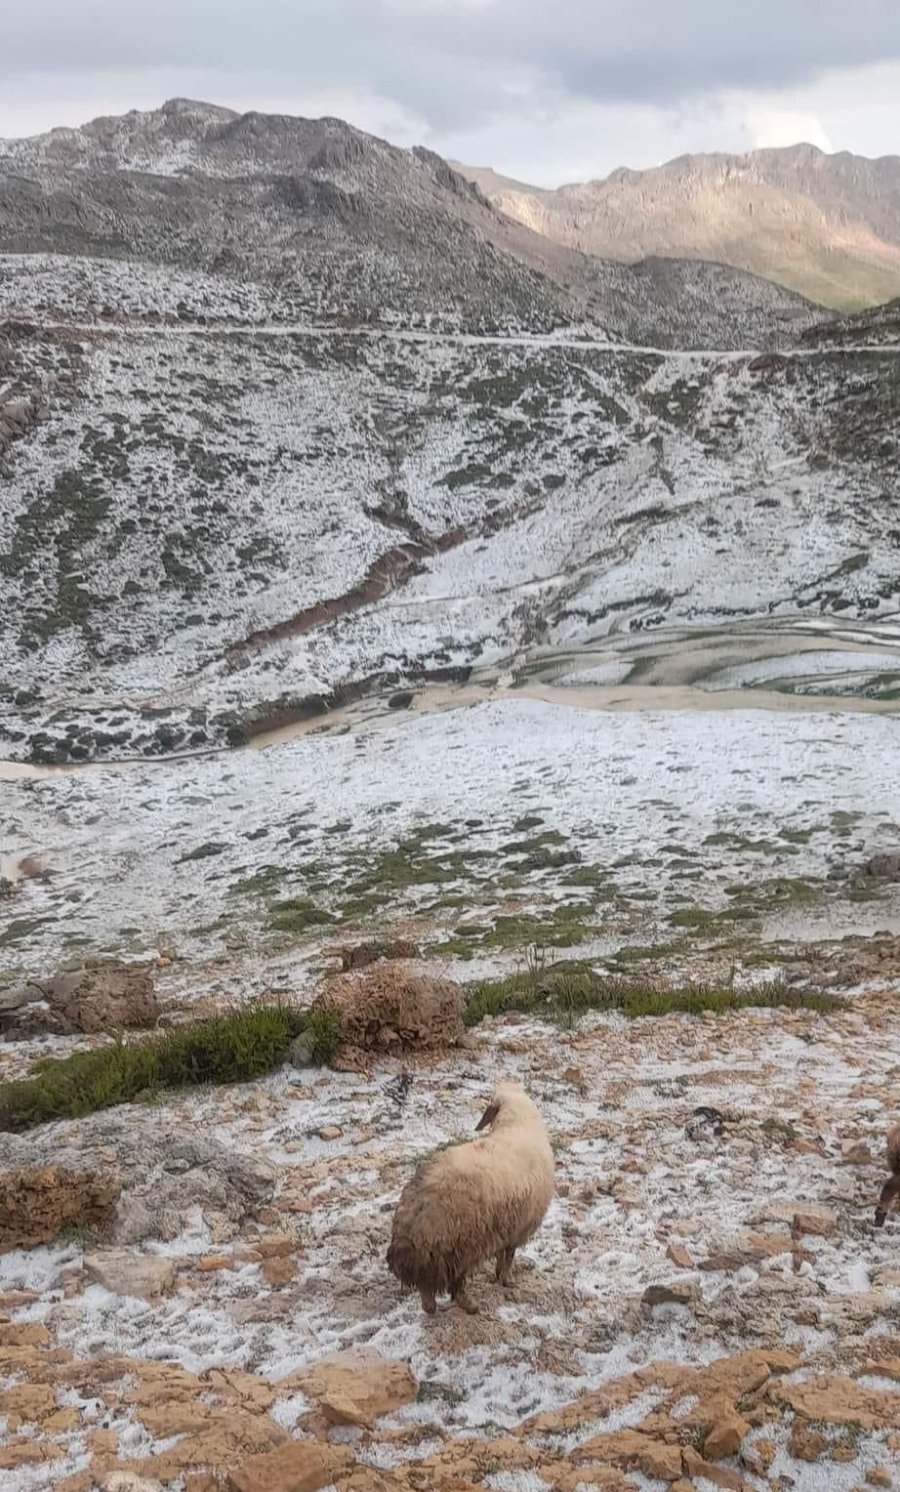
(355, 1387)
(301, 1466)
(125, 1273)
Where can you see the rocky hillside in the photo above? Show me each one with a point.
(347, 227)
(827, 226)
(214, 515)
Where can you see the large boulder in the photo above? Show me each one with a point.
(98, 998)
(389, 1007)
(38, 1202)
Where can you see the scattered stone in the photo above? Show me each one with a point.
(355, 1387)
(677, 1292)
(402, 700)
(820, 1223)
(299, 1052)
(279, 1270)
(706, 1471)
(768, 362)
(857, 1153)
(275, 1245)
(705, 1124)
(760, 1455)
(129, 1481)
(729, 1261)
(661, 1461)
(23, 1334)
(61, 1421)
(125, 1273)
(680, 1256)
(330, 1132)
(879, 1476)
(24, 1453)
(805, 1443)
(299, 1466)
(28, 1403)
(835, 1399)
(209, 1263)
(223, 1182)
(724, 1439)
(38, 1202)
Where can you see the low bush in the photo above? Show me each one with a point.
(229, 1048)
(563, 991)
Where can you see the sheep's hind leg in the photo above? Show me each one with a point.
(504, 1267)
(429, 1304)
(890, 1193)
(460, 1295)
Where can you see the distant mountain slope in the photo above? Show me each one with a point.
(347, 226)
(827, 226)
(211, 519)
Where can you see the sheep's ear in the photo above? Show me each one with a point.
(488, 1116)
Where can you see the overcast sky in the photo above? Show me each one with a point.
(545, 90)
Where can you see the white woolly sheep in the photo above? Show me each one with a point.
(478, 1200)
(890, 1192)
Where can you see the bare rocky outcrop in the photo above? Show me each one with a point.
(163, 1176)
(37, 1203)
(106, 997)
(390, 1008)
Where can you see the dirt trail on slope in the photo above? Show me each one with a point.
(391, 569)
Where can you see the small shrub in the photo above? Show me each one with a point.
(323, 1034)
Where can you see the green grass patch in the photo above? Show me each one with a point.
(232, 1048)
(566, 990)
(261, 882)
(564, 925)
(21, 928)
(297, 915)
(204, 851)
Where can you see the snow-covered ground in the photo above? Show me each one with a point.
(631, 817)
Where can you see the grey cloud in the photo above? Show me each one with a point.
(450, 62)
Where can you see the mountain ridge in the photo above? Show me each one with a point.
(826, 226)
(357, 226)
